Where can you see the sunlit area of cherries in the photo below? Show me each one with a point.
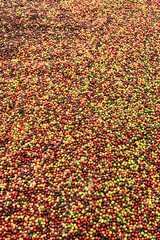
(79, 120)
